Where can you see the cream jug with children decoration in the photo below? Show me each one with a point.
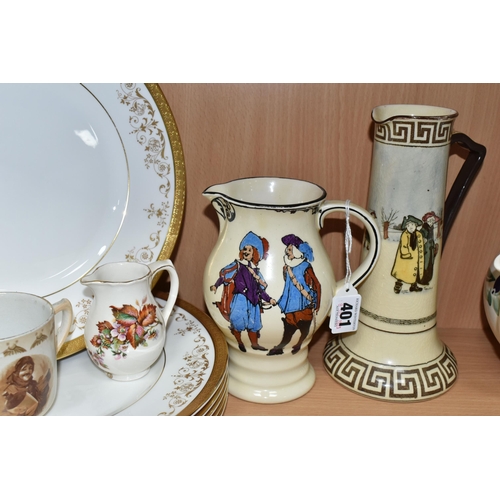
(396, 353)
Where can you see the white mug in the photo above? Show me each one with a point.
(29, 341)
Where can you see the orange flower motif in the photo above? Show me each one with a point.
(96, 340)
(104, 325)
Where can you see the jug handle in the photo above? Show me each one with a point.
(371, 258)
(166, 265)
(464, 179)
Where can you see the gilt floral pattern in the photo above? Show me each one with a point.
(130, 328)
(196, 367)
(146, 126)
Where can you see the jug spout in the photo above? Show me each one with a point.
(214, 191)
(220, 196)
(91, 279)
(225, 191)
(267, 192)
(116, 273)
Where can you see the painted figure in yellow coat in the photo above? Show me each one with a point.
(409, 262)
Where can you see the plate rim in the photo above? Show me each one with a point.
(221, 358)
(213, 403)
(179, 169)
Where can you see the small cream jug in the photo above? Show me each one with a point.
(268, 282)
(125, 329)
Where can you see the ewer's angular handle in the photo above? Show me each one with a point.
(464, 179)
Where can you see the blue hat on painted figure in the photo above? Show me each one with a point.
(253, 240)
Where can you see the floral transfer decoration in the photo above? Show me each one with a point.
(132, 327)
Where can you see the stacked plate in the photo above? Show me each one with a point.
(190, 378)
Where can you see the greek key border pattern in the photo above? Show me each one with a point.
(390, 382)
(394, 321)
(423, 133)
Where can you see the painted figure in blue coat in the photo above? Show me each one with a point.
(301, 296)
(244, 291)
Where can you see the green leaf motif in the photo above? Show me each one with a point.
(125, 317)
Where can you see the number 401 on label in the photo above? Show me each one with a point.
(345, 310)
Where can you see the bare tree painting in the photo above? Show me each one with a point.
(387, 220)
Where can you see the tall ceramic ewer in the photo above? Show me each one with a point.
(396, 354)
(269, 283)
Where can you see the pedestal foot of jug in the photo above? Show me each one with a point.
(274, 379)
(405, 383)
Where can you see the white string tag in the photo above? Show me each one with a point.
(347, 302)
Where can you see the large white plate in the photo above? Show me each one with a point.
(138, 117)
(64, 188)
(191, 376)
